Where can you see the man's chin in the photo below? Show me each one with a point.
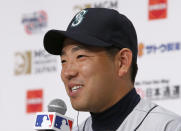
(79, 107)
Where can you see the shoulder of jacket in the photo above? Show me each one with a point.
(151, 117)
(145, 105)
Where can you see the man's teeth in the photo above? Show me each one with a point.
(75, 88)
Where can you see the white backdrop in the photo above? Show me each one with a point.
(26, 67)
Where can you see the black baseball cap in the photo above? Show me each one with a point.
(99, 27)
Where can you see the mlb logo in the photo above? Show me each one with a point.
(157, 9)
(63, 124)
(44, 121)
(53, 121)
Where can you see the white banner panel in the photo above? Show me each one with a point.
(30, 78)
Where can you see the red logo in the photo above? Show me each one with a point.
(34, 101)
(157, 9)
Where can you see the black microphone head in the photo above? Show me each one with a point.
(57, 105)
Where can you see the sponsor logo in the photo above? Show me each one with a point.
(43, 62)
(22, 63)
(140, 49)
(34, 62)
(35, 22)
(103, 4)
(34, 101)
(157, 9)
(158, 89)
(140, 92)
(162, 48)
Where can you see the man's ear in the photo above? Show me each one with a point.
(124, 59)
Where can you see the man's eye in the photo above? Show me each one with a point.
(80, 56)
(63, 61)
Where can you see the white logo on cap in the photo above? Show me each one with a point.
(78, 18)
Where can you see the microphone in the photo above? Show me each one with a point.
(54, 119)
(57, 105)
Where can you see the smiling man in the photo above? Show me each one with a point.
(91, 77)
(99, 65)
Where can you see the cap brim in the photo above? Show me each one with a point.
(53, 40)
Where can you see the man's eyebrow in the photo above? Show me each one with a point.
(79, 47)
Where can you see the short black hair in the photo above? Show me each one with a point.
(112, 51)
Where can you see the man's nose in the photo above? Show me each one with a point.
(70, 71)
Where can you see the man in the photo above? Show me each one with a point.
(99, 64)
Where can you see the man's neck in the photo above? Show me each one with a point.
(111, 118)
